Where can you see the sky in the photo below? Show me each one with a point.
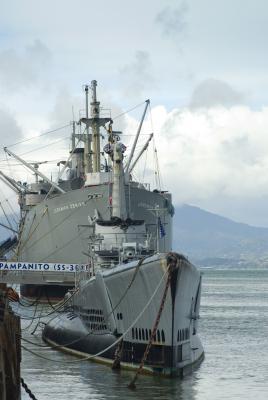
(203, 64)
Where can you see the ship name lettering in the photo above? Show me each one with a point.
(3, 266)
(62, 208)
(69, 206)
(78, 204)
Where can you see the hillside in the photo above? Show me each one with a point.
(211, 239)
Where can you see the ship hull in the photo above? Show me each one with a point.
(115, 312)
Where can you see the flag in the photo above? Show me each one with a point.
(162, 232)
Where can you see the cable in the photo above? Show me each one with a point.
(56, 308)
(158, 179)
(107, 317)
(46, 145)
(65, 166)
(41, 134)
(113, 344)
(127, 111)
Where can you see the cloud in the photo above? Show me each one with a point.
(216, 153)
(220, 151)
(173, 21)
(137, 76)
(214, 92)
(21, 69)
(10, 131)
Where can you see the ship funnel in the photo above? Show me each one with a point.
(118, 195)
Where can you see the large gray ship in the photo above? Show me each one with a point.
(136, 297)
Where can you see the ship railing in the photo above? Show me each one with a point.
(117, 239)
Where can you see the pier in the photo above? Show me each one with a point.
(10, 349)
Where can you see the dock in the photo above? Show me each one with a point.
(10, 350)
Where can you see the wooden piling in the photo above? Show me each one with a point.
(10, 350)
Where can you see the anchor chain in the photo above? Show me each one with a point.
(27, 390)
(117, 356)
(172, 264)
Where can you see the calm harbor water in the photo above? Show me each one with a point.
(234, 332)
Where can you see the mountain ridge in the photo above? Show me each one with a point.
(204, 235)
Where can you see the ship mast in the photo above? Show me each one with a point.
(95, 113)
(87, 152)
(94, 122)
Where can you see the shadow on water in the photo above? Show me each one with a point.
(114, 385)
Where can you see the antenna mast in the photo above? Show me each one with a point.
(87, 152)
(95, 113)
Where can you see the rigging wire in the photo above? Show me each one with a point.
(129, 110)
(41, 134)
(90, 357)
(65, 166)
(158, 178)
(13, 216)
(61, 304)
(32, 320)
(107, 317)
(46, 145)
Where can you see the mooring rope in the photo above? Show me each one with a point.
(107, 317)
(90, 357)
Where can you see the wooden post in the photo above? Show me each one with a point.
(10, 350)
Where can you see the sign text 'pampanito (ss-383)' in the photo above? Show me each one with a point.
(42, 267)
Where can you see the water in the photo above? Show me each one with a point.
(234, 332)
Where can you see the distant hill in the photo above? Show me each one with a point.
(211, 239)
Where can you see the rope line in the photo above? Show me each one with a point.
(90, 357)
(129, 110)
(41, 134)
(107, 317)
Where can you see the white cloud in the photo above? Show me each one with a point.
(137, 76)
(213, 153)
(214, 92)
(173, 20)
(10, 131)
(21, 69)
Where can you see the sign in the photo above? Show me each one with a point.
(42, 267)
